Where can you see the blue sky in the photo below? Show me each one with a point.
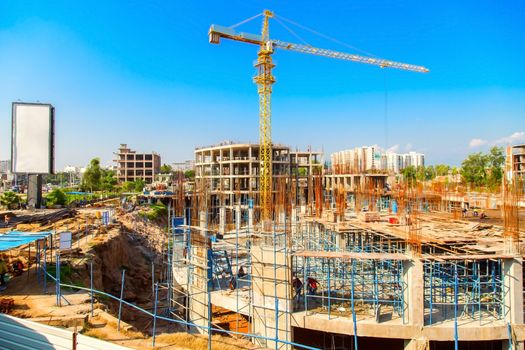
(143, 73)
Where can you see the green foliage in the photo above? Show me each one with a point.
(128, 186)
(484, 169)
(9, 199)
(108, 180)
(139, 185)
(420, 173)
(80, 197)
(473, 169)
(189, 174)
(165, 169)
(56, 197)
(91, 181)
(409, 174)
(59, 178)
(441, 169)
(133, 186)
(496, 160)
(155, 211)
(430, 173)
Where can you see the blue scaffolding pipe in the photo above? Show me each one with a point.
(121, 298)
(354, 318)
(456, 343)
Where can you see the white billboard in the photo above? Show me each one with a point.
(32, 138)
(65, 240)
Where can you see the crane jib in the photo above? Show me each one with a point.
(216, 32)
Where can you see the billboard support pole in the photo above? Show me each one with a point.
(34, 191)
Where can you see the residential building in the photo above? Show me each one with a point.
(368, 159)
(518, 160)
(5, 166)
(132, 166)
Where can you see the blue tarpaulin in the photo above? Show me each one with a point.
(15, 239)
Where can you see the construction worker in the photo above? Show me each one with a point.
(18, 268)
(312, 285)
(3, 271)
(241, 273)
(298, 287)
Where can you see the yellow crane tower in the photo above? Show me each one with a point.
(264, 80)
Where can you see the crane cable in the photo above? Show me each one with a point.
(324, 36)
(291, 31)
(246, 21)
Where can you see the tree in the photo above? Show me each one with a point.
(496, 160)
(9, 199)
(92, 176)
(139, 185)
(108, 180)
(409, 174)
(56, 197)
(420, 173)
(189, 174)
(165, 169)
(441, 169)
(128, 186)
(473, 169)
(56, 179)
(430, 173)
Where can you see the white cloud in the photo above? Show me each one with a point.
(408, 147)
(518, 136)
(476, 143)
(393, 149)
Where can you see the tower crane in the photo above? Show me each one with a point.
(265, 79)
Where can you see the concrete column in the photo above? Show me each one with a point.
(513, 296)
(222, 220)
(238, 217)
(340, 241)
(203, 221)
(250, 220)
(413, 296)
(272, 296)
(198, 287)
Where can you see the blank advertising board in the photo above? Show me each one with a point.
(65, 240)
(32, 138)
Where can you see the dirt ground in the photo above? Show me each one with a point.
(111, 250)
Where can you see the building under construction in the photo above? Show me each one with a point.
(347, 267)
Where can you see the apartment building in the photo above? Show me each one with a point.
(372, 159)
(132, 166)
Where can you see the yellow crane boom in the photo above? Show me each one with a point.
(264, 80)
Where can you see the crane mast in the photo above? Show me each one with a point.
(264, 80)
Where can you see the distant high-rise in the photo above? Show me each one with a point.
(370, 158)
